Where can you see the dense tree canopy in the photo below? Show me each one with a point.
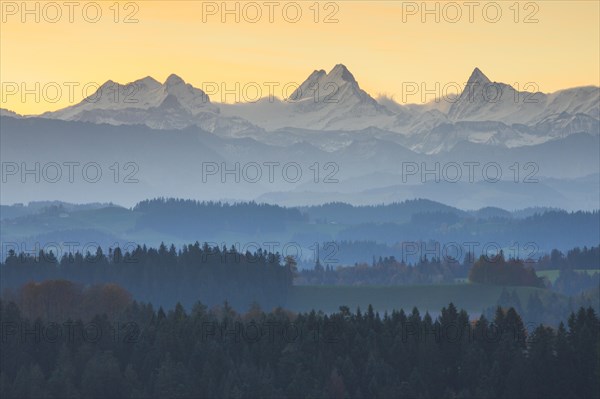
(220, 353)
(386, 271)
(164, 275)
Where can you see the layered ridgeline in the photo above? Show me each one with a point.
(337, 233)
(138, 162)
(486, 112)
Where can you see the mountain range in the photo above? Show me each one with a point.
(485, 112)
(348, 144)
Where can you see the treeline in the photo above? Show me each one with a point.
(497, 270)
(571, 282)
(397, 212)
(220, 353)
(549, 309)
(386, 271)
(578, 269)
(576, 258)
(164, 275)
(492, 269)
(357, 252)
(189, 218)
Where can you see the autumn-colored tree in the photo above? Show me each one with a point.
(59, 300)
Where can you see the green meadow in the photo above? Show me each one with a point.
(472, 297)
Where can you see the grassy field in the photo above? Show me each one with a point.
(472, 297)
(552, 275)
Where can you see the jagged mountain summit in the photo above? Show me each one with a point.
(173, 104)
(485, 112)
(324, 101)
(335, 89)
(484, 100)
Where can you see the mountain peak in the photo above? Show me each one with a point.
(173, 80)
(148, 81)
(340, 71)
(478, 77)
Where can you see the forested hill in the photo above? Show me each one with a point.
(399, 212)
(189, 217)
(177, 221)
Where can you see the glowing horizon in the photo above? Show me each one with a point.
(384, 44)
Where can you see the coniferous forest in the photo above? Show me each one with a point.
(146, 352)
(164, 276)
(166, 322)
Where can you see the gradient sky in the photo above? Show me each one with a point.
(381, 49)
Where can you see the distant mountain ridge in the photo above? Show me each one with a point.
(368, 166)
(414, 222)
(485, 112)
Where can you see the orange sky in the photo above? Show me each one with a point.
(385, 44)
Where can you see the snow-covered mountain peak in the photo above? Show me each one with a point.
(340, 73)
(484, 100)
(336, 87)
(327, 87)
(324, 101)
(334, 90)
(478, 77)
(174, 80)
(173, 104)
